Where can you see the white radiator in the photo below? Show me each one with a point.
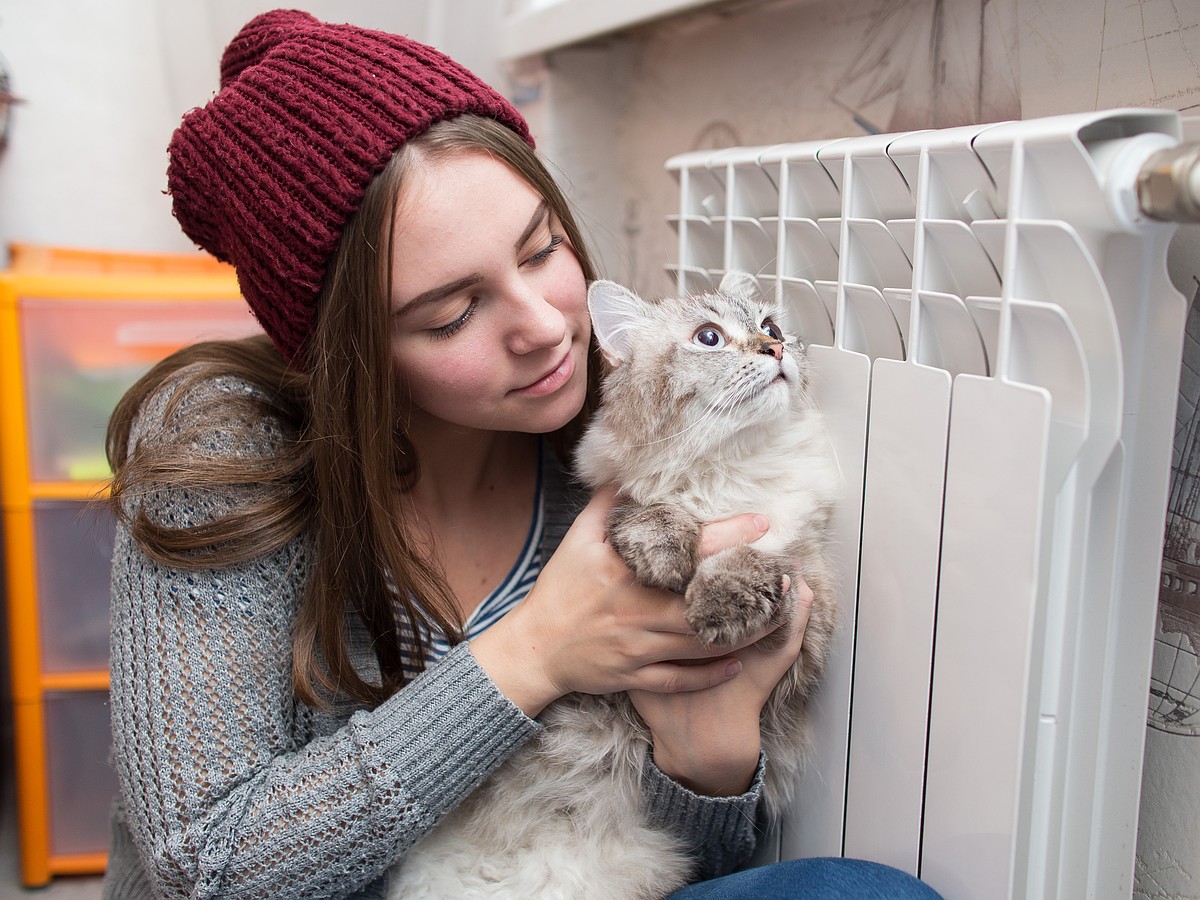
(996, 347)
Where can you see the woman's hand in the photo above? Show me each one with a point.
(588, 626)
(708, 740)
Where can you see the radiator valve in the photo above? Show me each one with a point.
(1168, 185)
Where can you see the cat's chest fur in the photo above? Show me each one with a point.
(783, 471)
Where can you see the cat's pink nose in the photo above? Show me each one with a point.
(772, 348)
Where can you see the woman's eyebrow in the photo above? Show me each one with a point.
(434, 294)
(535, 222)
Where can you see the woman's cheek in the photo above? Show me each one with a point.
(570, 298)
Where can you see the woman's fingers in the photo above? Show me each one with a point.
(804, 601)
(588, 626)
(743, 529)
(714, 536)
(678, 678)
(675, 640)
(590, 523)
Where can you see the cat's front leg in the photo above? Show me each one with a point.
(735, 593)
(659, 543)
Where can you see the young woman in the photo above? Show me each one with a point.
(346, 578)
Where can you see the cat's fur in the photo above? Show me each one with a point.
(689, 434)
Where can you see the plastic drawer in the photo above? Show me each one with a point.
(82, 355)
(74, 542)
(80, 783)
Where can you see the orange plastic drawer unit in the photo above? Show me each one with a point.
(77, 328)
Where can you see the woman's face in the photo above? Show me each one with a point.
(490, 326)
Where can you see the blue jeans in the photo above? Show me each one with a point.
(812, 879)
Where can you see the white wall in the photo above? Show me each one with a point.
(104, 85)
(85, 160)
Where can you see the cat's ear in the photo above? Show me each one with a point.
(738, 284)
(616, 314)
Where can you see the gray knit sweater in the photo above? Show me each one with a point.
(230, 787)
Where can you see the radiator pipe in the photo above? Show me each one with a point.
(1168, 185)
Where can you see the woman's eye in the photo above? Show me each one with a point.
(445, 331)
(772, 330)
(709, 337)
(545, 253)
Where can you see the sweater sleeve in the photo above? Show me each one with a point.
(225, 791)
(720, 832)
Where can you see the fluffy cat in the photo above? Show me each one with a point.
(706, 413)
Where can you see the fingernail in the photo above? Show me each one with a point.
(787, 584)
(761, 523)
(733, 668)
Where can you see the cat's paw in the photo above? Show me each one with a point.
(660, 544)
(734, 594)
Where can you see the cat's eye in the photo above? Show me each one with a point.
(772, 330)
(709, 337)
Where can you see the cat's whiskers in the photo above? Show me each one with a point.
(741, 390)
(729, 398)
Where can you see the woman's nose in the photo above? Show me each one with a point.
(537, 323)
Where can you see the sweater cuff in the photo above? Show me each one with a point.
(440, 736)
(719, 831)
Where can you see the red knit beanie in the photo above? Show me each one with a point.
(266, 175)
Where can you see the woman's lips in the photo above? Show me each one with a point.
(551, 381)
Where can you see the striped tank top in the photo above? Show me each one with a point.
(516, 584)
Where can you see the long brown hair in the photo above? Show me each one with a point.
(342, 457)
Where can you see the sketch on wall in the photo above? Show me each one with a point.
(970, 73)
(1149, 54)
(1103, 54)
(984, 55)
(1175, 684)
(1168, 845)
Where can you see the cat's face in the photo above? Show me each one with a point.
(716, 362)
(730, 357)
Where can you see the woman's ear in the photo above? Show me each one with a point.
(617, 313)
